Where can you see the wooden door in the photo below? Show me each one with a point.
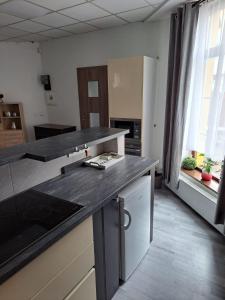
(93, 96)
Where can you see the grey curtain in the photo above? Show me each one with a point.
(182, 35)
(220, 209)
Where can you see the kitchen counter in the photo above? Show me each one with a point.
(57, 146)
(84, 186)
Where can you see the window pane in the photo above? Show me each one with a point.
(210, 72)
(216, 26)
(223, 70)
(93, 89)
(94, 119)
(222, 115)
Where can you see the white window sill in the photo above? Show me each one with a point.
(199, 187)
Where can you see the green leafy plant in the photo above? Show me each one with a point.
(189, 163)
(207, 165)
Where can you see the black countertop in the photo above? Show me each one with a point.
(83, 186)
(60, 145)
(53, 126)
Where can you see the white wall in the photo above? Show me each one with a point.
(20, 67)
(61, 58)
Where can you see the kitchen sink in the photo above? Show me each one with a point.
(27, 217)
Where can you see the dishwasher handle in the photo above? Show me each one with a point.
(126, 212)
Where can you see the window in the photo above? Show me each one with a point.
(216, 168)
(205, 126)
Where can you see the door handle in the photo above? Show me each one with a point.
(126, 212)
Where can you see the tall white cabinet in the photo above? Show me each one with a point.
(131, 84)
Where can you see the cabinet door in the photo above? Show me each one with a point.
(125, 80)
(106, 236)
(85, 290)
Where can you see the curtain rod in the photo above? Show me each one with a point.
(199, 2)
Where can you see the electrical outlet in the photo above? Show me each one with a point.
(50, 99)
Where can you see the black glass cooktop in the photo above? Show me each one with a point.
(27, 217)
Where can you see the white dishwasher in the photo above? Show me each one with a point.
(134, 203)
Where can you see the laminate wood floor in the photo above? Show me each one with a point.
(186, 260)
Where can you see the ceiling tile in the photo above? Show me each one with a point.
(35, 38)
(138, 14)
(3, 37)
(15, 40)
(22, 9)
(117, 6)
(7, 19)
(55, 33)
(84, 12)
(155, 2)
(79, 28)
(106, 22)
(55, 20)
(30, 26)
(12, 31)
(166, 10)
(57, 4)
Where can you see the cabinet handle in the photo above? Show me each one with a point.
(126, 212)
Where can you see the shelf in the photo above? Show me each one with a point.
(12, 129)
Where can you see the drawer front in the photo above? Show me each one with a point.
(27, 282)
(2, 143)
(85, 290)
(65, 281)
(12, 134)
(2, 140)
(11, 137)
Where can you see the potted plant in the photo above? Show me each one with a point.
(200, 159)
(189, 163)
(207, 169)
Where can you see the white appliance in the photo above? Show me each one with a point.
(134, 204)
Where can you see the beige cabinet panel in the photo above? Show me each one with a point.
(68, 278)
(32, 278)
(86, 289)
(125, 83)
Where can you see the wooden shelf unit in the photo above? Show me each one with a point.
(8, 136)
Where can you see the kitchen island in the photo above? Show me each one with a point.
(51, 148)
(95, 192)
